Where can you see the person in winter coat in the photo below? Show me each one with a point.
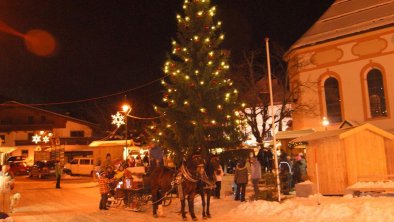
(300, 169)
(107, 162)
(104, 190)
(219, 177)
(285, 174)
(241, 179)
(58, 174)
(256, 174)
(6, 185)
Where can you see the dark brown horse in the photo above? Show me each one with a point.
(164, 180)
(206, 185)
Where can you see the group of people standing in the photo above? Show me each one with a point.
(291, 171)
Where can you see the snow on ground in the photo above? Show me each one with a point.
(78, 199)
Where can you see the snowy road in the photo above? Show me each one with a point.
(78, 199)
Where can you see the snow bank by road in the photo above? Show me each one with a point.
(363, 209)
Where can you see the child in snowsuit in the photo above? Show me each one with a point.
(104, 190)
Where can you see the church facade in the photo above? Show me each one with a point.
(343, 67)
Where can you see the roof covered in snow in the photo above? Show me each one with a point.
(291, 134)
(343, 133)
(346, 18)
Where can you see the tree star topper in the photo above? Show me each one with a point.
(118, 119)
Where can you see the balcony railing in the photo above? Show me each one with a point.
(63, 141)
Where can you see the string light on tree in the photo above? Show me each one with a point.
(198, 69)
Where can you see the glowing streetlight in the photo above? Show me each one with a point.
(126, 108)
(325, 122)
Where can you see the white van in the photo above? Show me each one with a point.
(80, 165)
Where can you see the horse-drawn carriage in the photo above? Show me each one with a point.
(133, 190)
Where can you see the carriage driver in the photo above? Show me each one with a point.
(156, 156)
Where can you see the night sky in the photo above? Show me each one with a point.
(109, 46)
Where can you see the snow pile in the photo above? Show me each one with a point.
(365, 209)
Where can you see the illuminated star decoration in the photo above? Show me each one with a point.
(36, 138)
(118, 119)
(45, 139)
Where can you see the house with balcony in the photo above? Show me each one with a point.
(60, 135)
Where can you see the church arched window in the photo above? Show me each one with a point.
(376, 94)
(332, 100)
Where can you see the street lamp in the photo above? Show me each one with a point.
(325, 122)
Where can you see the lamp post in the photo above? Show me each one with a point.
(121, 119)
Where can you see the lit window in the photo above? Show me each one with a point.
(333, 100)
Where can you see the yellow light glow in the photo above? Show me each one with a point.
(195, 37)
(187, 77)
(236, 113)
(201, 82)
(185, 102)
(42, 132)
(187, 19)
(219, 106)
(243, 104)
(200, 13)
(213, 121)
(203, 110)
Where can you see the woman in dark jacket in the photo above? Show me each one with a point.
(241, 179)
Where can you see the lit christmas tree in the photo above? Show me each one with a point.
(201, 102)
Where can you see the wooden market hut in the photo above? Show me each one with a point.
(345, 156)
(115, 147)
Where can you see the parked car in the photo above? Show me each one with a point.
(80, 165)
(16, 158)
(42, 169)
(19, 168)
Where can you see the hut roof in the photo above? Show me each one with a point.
(369, 127)
(291, 134)
(343, 133)
(98, 143)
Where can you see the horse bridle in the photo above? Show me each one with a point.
(185, 172)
